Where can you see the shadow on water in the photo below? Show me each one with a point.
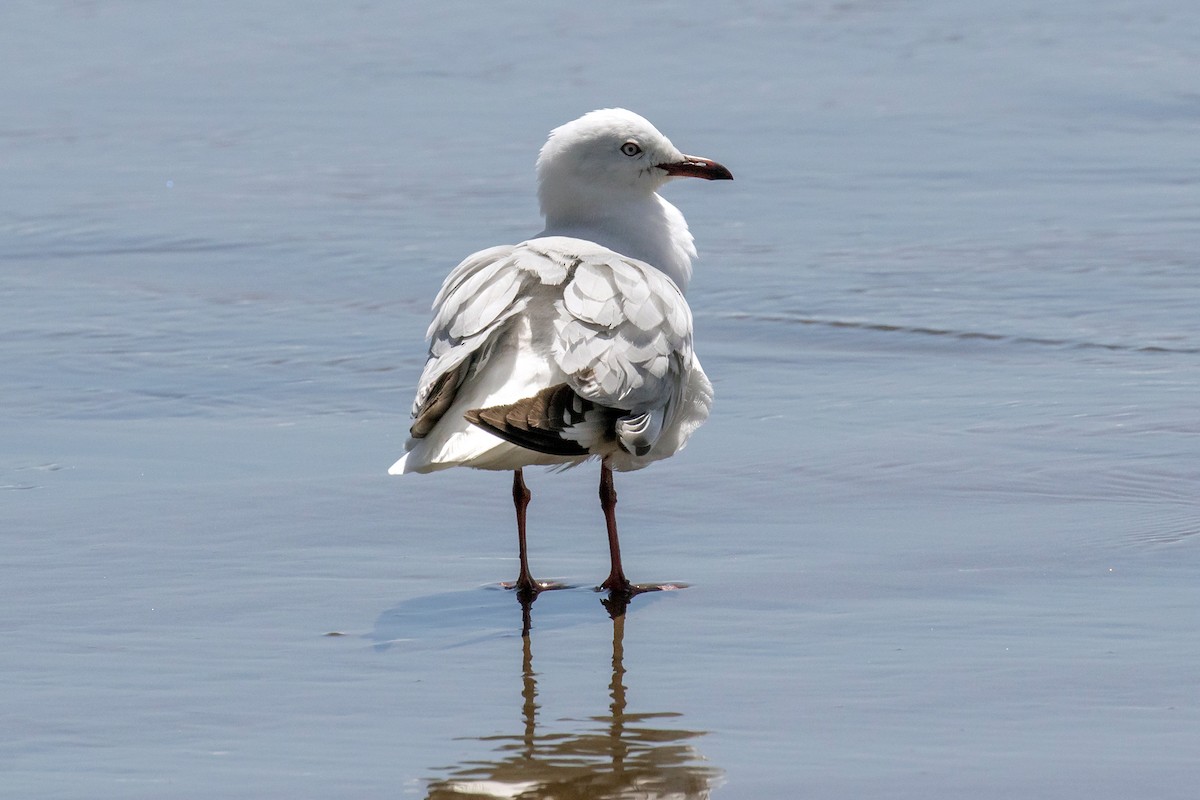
(456, 619)
(620, 754)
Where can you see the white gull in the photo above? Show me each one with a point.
(577, 343)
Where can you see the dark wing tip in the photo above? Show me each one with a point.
(538, 423)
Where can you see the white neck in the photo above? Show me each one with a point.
(649, 229)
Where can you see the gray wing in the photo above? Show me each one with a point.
(624, 338)
(621, 334)
(475, 302)
(620, 329)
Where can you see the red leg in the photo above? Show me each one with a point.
(521, 495)
(616, 582)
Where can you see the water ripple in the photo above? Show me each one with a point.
(962, 335)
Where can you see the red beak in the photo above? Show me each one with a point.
(696, 167)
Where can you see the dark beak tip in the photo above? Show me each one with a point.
(693, 167)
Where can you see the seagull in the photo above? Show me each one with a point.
(575, 344)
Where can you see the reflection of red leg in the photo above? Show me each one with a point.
(521, 497)
(616, 581)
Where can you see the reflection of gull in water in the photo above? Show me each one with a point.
(621, 755)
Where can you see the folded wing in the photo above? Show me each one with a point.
(614, 336)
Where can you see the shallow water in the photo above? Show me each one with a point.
(940, 534)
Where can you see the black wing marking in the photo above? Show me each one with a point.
(556, 421)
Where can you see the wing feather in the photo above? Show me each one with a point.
(619, 322)
(617, 330)
(477, 299)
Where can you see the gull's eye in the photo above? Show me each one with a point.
(631, 149)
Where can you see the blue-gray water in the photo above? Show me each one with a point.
(940, 533)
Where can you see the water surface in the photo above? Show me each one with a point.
(940, 533)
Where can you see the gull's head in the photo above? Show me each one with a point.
(612, 155)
